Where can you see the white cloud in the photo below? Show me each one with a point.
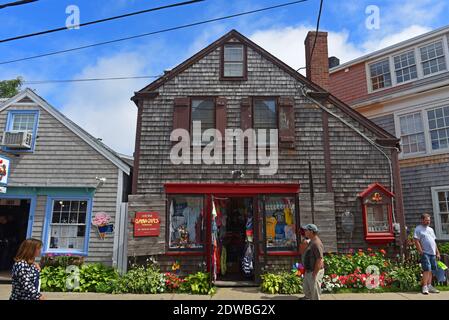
(391, 39)
(103, 108)
(288, 44)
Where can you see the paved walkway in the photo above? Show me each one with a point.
(231, 294)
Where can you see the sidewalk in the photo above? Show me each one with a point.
(231, 294)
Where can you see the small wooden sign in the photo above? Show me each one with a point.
(147, 224)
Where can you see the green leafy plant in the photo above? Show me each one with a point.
(444, 248)
(405, 277)
(198, 283)
(97, 278)
(141, 280)
(271, 283)
(53, 279)
(281, 283)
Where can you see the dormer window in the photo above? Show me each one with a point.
(233, 62)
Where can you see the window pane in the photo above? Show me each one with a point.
(439, 128)
(412, 135)
(203, 110)
(233, 53)
(233, 69)
(280, 223)
(67, 229)
(23, 122)
(377, 218)
(432, 57)
(405, 67)
(186, 222)
(380, 74)
(265, 114)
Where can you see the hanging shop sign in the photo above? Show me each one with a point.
(147, 224)
(4, 171)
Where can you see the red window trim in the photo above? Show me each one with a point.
(245, 63)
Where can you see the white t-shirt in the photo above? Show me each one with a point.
(426, 237)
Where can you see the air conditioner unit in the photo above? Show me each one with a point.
(17, 139)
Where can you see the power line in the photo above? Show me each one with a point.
(152, 33)
(316, 34)
(100, 21)
(16, 3)
(89, 79)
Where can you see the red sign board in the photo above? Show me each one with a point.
(147, 224)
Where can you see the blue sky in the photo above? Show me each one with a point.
(104, 109)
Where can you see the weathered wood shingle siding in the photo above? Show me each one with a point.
(63, 159)
(386, 122)
(416, 183)
(355, 163)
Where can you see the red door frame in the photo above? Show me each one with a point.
(228, 190)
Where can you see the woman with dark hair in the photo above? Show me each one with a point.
(26, 272)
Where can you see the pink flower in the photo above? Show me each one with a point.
(101, 218)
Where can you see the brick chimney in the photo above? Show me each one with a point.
(317, 69)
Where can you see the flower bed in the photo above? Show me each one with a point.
(61, 277)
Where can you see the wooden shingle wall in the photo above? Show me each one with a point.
(62, 159)
(355, 163)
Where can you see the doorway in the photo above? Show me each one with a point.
(14, 216)
(234, 233)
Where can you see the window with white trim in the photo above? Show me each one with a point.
(441, 211)
(23, 122)
(412, 133)
(433, 59)
(380, 74)
(439, 127)
(68, 225)
(405, 66)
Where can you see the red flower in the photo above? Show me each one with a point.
(382, 251)
(369, 249)
(372, 254)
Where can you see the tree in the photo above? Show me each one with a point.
(9, 88)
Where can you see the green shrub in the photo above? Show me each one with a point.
(97, 278)
(406, 278)
(198, 283)
(281, 283)
(87, 278)
(443, 248)
(53, 279)
(291, 283)
(141, 280)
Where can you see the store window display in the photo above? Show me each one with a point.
(186, 222)
(280, 223)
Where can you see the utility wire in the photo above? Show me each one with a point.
(16, 3)
(152, 33)
(316, 34)
(89, 79)
(100, 21)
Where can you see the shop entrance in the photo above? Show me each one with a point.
(233, 239)
(14, 214)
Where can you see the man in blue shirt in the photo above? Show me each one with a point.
(424, 238)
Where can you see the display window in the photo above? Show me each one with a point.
(186, 222)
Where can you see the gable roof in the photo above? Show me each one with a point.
(150, 89)
(100, 147)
